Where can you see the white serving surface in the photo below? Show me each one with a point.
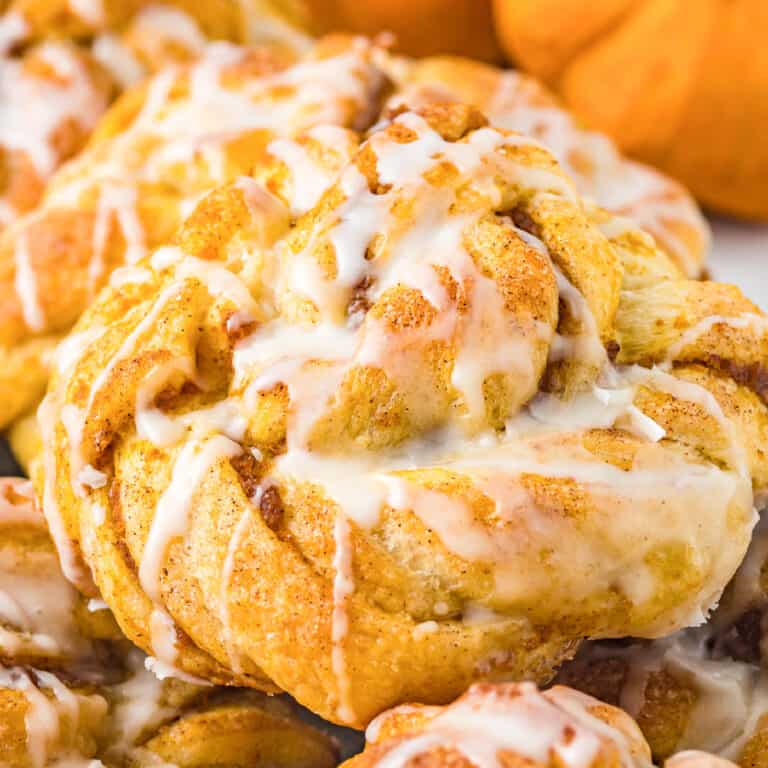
(740, 256)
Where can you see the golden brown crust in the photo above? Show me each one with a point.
(510, 725)
(515, 101)
(406, 346)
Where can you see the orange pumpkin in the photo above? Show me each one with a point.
(422, 27)
(680, 84)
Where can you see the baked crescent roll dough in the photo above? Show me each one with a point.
(387, 430)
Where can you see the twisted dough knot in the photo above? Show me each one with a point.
(375, 452)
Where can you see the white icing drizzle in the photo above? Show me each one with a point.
(484, 723)
(13, 29)
(653, 201)
(343, 587)
(233, 655)
(46, 715)
(71, 564)
(163, 636)
(118, 59)
(171, 293)
(90, 11)
(693, 758)
(585, 346)
(22, 510)
(36, 604)
(172, 25)
(691, 335)
(32, 107)
(66, 357)
(687, 390)
(25, 282)
(731, 696)
(171, 517)
(129, 275)
(139, 705)
(309, 179)
(116, 203)
(91, 477)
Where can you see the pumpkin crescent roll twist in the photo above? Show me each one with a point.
(684, 693)
(437, 428)
(495, 726)
(72, 690)
(161, 146)
(55, 86)
(521, 103)
(241, 21)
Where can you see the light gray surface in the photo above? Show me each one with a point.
(740, 256)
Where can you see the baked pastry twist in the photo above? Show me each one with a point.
(240, 21)
(54, 90)
(517, 102)
(511, 725)
(72, 690)
(44, 622)
(159, 148)
(389, 434)
(684, 694)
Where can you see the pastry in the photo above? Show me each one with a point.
(78, 216)
(437, 427)
(236, 20)
(668, 80)
(514, 724)
(72, 689)
(54, 90)
(162, 145)
(44, 621)
(46, 721)
(50, 100)
(683, 693)
(520, 103)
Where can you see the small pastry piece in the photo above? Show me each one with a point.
(45, 722)
(387, 431)
(694, 759)
(190, 725)
(44, 621)
(506, 725)
(242, 730)
(517, 102)
(668, 80)
(71, 689)
(82, 19)
(160, 147)
(683, 695)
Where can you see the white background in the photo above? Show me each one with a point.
(740, 256)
